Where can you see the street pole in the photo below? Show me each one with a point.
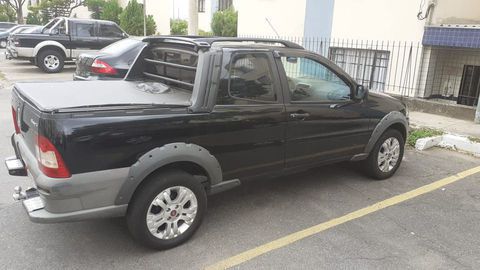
(144, 18)
(477, 113)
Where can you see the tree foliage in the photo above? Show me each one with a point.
(111, 11)
(7, 13)
(131, 20)
(58, 8)
(96, 7)
(224, 23)
(178, 27)
(34, 17)
(17, 6)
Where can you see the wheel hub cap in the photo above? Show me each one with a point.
(51, 61)
(172, 212)
(388, 154)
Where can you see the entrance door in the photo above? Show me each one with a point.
(470, 86)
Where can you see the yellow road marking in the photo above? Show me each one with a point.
(291, 238)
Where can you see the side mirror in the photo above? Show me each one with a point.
(124, 35)
(361, 92)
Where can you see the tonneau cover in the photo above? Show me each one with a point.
(53, 96)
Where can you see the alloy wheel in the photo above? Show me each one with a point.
(171, 212)
(388, 154)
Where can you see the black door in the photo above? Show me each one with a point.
(470, 86)
(250, 117)
(324, 122)
(84, 38)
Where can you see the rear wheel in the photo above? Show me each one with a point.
(386, 155)
(50, 61)
(167, 210)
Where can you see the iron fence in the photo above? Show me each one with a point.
(404, 68)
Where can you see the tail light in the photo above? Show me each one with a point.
(15, 121)
(50, 161)
(101, 67)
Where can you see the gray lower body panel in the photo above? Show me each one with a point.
(38, 214)
(82, 196)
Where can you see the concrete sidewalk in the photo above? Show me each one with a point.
(443, 123)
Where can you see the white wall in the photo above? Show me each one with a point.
(161, 10)
(286, 16)
(205, 18)
(456, 12)
(81, 12)
(378, 20)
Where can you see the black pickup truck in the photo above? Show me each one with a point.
(194, 116)
(63, 39)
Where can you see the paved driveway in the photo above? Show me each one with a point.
(436, 230)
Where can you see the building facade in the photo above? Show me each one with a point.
(418, 48)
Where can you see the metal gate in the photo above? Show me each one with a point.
(470, 86)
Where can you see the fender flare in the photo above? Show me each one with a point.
(165, 155)
(42, 44)
(387, 121)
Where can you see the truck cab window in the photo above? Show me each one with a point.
(85, 29)
(250, 80)
(311, 81)
(110, 30)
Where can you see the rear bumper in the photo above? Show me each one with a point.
(80, 197)
(35, 208)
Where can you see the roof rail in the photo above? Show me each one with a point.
(287, 44)
(178, 39)
(206, 42)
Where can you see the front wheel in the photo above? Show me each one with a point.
(50, 61)
(167, 210)
(386, 155)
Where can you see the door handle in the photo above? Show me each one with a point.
(299, 116)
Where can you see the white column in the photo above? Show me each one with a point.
(193, 17)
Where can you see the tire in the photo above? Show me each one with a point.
(154, 189)
(50, 61)
(385, 147)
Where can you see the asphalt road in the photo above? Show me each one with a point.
(438, 230)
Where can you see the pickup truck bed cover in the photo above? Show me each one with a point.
(70, 94)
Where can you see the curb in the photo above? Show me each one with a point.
(450, 141)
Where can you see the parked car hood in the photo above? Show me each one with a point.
(100, 95)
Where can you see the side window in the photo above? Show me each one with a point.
(250, 80)
(311, 81)
(85, 29)
(110, 30)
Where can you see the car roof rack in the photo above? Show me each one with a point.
(286, 43)
(207, 42)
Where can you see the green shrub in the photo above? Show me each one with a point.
(178, 27)
(34, 17)
(204, 33)
(224, 23)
